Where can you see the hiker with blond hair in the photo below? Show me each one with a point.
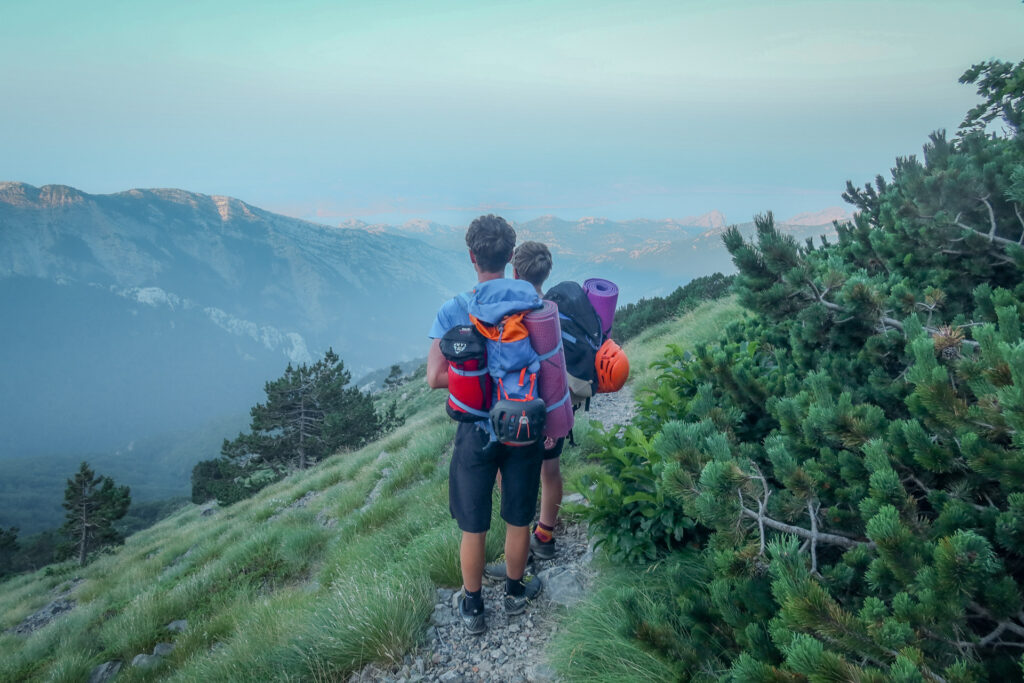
(532, 263)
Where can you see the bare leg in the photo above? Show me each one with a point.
(550, 492)
(471, 556)
(517, 548)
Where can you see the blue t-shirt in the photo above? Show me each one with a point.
(452, 313)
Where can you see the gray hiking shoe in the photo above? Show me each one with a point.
(495, 573)
(475, 623)
(516, 604)
(541, 550)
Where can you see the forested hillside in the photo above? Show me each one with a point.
(834, 489)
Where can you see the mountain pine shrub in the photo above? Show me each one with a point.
(851, 457)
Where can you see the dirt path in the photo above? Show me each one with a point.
(513, 648)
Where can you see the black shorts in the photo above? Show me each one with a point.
(551, 454)
(471, 480)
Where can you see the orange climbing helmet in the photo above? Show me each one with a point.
(612, 367)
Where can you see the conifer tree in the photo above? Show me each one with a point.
(394, 377)
(310, 412)
(93, 504)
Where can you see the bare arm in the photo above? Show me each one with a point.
(437, 367)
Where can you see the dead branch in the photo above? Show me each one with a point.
(813, 512)
(823, 537)
(991, 217)
(992, 237)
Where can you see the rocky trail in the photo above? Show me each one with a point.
(513, 649)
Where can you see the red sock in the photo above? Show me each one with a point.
(543, 532)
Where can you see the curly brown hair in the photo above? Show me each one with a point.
(532, 261)
(491, 239)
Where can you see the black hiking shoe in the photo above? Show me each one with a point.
(495, 574)
(540, 549)
(516, 604)
(475, 623)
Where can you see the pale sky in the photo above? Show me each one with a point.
(399, 110)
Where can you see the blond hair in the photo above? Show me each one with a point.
(532, 261)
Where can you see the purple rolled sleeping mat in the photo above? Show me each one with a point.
(603, 295)
(546, 339)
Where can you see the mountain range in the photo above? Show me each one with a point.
(157, 309)
(645, 257)
(143, 313)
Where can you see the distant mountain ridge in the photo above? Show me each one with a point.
(155, 309)
(646, 256)
(711, 219)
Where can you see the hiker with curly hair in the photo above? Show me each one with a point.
(477, 459)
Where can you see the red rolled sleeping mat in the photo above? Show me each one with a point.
(546, 339)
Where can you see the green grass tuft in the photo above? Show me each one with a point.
(596, 642)
(438, 553)
(368, 616)
(72, 665)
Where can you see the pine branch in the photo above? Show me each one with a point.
(991, 637)
(759, 516)
(892, 322)
(928, 491)
(991, 640)
(829, 305)
(813, 535)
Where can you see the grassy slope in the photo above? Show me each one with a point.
(284, 598)
(273, 598)
(699, 326)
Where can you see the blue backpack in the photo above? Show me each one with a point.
(497, 308)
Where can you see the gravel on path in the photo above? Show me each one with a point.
(513, 649)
